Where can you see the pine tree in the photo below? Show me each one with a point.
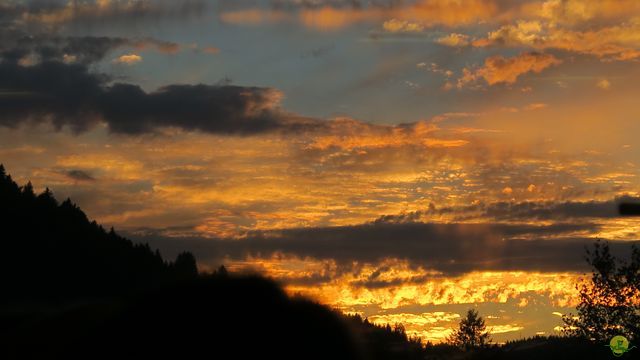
(27, 191)
(472, 332)
(222, 271)
(47, 198)
(185, 264)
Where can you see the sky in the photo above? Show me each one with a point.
(403, 160)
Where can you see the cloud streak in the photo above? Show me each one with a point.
(518, 211)
(81, 49)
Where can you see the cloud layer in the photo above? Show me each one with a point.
(447, 248)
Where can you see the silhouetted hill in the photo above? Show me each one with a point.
(52, 251)
(214, 317)
(74, 290)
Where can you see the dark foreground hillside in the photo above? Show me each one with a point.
(216, 317)
(52, 252)
(71, 290)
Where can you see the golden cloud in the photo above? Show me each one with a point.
(604, 84)
(253, 16)
(401, 26)
(429, 326)
(454, 40)
(612, 42)
(501, 329)
(414, 17)
(350, 134)
(407, 285)
(128, 59)
(498, 69)
(574, 12)
(535, 106)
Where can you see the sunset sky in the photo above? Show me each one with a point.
(405, 160)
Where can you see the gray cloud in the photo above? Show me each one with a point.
(553, 210)
(122, 12)
(450, 248)
(79, 175)
(514, 211)
(16, 44)
(45, 77)
(69, 95)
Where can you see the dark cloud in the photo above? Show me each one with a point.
(79, 175)
(523, 211)
(79, 49)
(374, 283)
(631, 208)
(412, 216)
(553, 210)
(450, 248)
(70, 95)
(92, 12)
(45, 77)
(26, 27)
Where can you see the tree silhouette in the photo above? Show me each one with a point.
(27, 191)
(610, 301)
(185, 265)
(53, 251)
(472, 332)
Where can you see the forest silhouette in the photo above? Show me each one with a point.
(73, 290)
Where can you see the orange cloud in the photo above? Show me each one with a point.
(454, 40)
(498, 69)
(617, 42)
(330, 18)
(350, 134)
(535, 106)
(414, 17)
(211, 50)
(431, 326)
(402, 26)
(579, 11)
(254, 16)
(604, 84)
(450, 12)
(128, 59)
(407, 285)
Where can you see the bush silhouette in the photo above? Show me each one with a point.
(609, 302)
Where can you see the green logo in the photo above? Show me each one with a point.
(619, 345)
